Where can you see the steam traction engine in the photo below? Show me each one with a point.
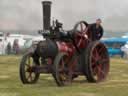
(64, 54)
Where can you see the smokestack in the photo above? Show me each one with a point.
(46, 5)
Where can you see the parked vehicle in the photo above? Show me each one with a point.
(114, 46)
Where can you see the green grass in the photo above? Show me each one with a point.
(10, 84)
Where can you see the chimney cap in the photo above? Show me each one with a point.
(46, 2)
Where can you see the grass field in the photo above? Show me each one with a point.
(10, 84)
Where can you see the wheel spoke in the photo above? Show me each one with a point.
(33, 75)
(95, 55)
(94, 69)
(101, 73)
(29, 60)
(101, 50)
(104, 61)
(27, 65)
(63, 63)
(81, 26)
(85, 30)
(30, 76)
(94, 58)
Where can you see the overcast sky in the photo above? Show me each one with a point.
(27, 14)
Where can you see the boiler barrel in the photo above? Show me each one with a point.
(47, 48)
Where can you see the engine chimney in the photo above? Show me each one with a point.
(46, 5)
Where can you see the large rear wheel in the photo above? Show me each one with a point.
(96, 62)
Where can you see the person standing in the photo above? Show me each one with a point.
(9, 48)
(16, 46)
(96, 30)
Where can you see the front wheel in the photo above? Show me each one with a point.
(61, 70)
(96, 62)
(27, 73)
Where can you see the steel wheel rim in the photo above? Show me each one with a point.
(99, 62)
(63, 72)
(29, 69)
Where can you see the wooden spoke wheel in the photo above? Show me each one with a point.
(96, 66)
(27, 72)
(61, 70)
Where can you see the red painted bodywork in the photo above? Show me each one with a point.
(80, 40)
